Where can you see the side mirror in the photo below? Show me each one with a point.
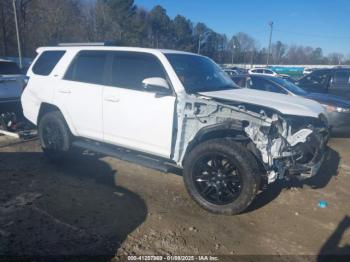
(156, 84)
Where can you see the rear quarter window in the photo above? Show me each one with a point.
(47, 62)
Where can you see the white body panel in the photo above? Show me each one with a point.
(41, 91)
(138, 120)
(285, 104)
(82, 104)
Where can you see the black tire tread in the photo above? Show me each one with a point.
(59, 119)
(246, 160)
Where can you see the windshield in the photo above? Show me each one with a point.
(200, 74)
(9, 68)
(290, 86)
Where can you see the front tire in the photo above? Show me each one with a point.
(222, 176)
(54, 135)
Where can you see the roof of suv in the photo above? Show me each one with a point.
(113, 48)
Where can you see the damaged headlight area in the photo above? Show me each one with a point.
(290, 146)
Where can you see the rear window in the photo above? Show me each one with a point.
(9, 68)
(88, 67)
(47, 62)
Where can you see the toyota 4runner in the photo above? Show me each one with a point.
(172, 110)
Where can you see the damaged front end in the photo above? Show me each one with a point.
(288, 147)
(285, 145)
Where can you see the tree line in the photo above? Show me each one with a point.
(48, 22)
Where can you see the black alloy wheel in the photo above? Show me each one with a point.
(217, 179)
(222, 176)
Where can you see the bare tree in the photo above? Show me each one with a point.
(6, 27)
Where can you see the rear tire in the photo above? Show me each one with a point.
(54, 135)
(222, 176)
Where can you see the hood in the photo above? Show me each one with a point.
(288, 105)
(328, 99)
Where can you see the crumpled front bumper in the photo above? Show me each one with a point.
(311, 169)
(317, 145)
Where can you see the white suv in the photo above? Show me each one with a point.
(265, 71)
(168, 109)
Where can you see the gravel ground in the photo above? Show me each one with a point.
(93, 205)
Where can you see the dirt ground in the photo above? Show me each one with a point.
(102, 206)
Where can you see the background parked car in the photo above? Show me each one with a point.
(337, 109)
(239, 70)
(265, 71)
(12, 82)
(231, 72)
(334, 81)
(308, 70)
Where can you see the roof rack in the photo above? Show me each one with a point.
(109, 43)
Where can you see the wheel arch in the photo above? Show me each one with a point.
(225, 131)
(47, 107)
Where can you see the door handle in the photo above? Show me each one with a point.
(65, 91)
(112, 99)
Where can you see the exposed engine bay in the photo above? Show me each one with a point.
(284, 145)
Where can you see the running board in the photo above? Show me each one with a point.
(127, 155)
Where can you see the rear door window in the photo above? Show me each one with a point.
(319, 77)
(130, 69)
(88, 67)
(47, 62)
(341, 76)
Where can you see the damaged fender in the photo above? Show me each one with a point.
(281, 149)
